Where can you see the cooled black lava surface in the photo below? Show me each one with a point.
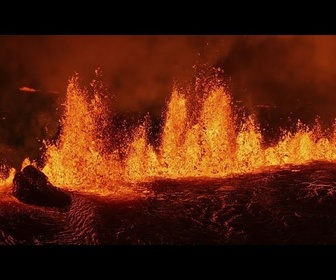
(294, 205)
(33, 187)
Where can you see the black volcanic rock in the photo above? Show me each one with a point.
(31, 186)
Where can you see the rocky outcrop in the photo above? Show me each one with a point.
(32, 186)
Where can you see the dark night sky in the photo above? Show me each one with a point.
(294, 73)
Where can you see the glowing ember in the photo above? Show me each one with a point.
(214, 143)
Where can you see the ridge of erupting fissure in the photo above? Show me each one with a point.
(214, 143)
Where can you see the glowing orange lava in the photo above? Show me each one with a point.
(6, 181)
(77, 161)
(215, 144)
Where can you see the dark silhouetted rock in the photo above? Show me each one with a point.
(32, 186)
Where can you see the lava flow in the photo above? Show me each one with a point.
(209, 141)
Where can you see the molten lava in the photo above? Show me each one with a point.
(216, 142)
(78, 159)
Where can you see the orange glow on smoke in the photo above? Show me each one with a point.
(215, 144)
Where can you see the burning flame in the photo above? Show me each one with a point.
(216, 143)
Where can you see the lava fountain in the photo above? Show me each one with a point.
(216, 142)
(209, 178)
(78, 159)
